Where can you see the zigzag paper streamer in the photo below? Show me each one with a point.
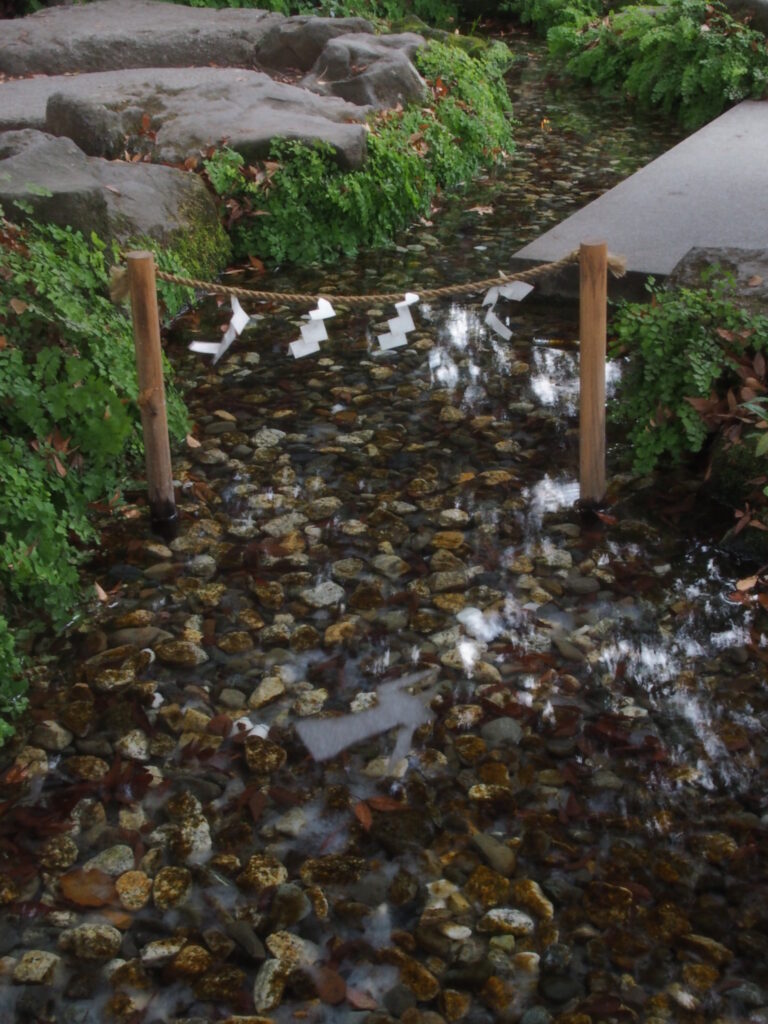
(313, 332)
(515, 290)
(237, 325)
(400, 324)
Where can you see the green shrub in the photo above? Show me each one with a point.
(69, 422)
(690, 57)
(686, 344)
(300, 206)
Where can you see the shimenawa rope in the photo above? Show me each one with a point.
(119, 285)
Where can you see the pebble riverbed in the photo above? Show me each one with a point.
(538, 787)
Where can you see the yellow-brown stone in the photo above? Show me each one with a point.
(86, 767)
(450, 539)
(235, 643)
(701, 977)
(606, 904)
(221, 985)
(133, 890)
(463, 716)
(487, 886)
(470, 748)
(59, 853)
(341, 632)
(454, 1005)
(263, 756)
(171, 887)
(332, 869)
(191, 961)
(451, 603)
(494, 477)
(418, 979)
(250, 619)
(271, 595)
(496, 995)
(493, 773)
(262, 872)
(527, 893)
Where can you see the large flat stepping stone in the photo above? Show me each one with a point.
(708, 191)
(116, 200)
(113, 34)
(174, 113)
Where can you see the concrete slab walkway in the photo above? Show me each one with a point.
(711, 190)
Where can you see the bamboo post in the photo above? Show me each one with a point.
(149, 365)
(593, 299)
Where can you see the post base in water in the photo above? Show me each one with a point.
(165, 522)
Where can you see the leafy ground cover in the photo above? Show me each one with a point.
(70, 427)
(689, 58)
(695, 372)
(300, 206)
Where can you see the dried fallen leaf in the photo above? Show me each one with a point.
(100, 593)
(363, 814)
(92, 888)
(754, 281)
(360, 1000)
(385, 803)
(748, 583)
(18, 306)
(330, 986)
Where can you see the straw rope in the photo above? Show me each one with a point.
(616, 265)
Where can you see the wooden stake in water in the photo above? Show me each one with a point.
(149, 365)
(593, 299)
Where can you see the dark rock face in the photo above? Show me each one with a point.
(369, 70)
(116, 200)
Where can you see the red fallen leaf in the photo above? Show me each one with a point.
(3, 342)
(385, 803)
(758, 364)
(284, 797)
(639, 891)
(604, 517)
(330, 985)
(762, 600)
(220, 725)
(363, 814)
(256, 263)
(146, 122)
(360, 1000)
(92, 888)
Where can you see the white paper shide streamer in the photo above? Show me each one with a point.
(400, 324)
(237, 325)
(313, 332)
(515, 290)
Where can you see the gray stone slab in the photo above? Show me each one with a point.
(746, 270)
(111, 34)
(189, 110)
(117, 200)
(366, 69)
(709, 190)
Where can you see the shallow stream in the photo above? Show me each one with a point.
(539, 792)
